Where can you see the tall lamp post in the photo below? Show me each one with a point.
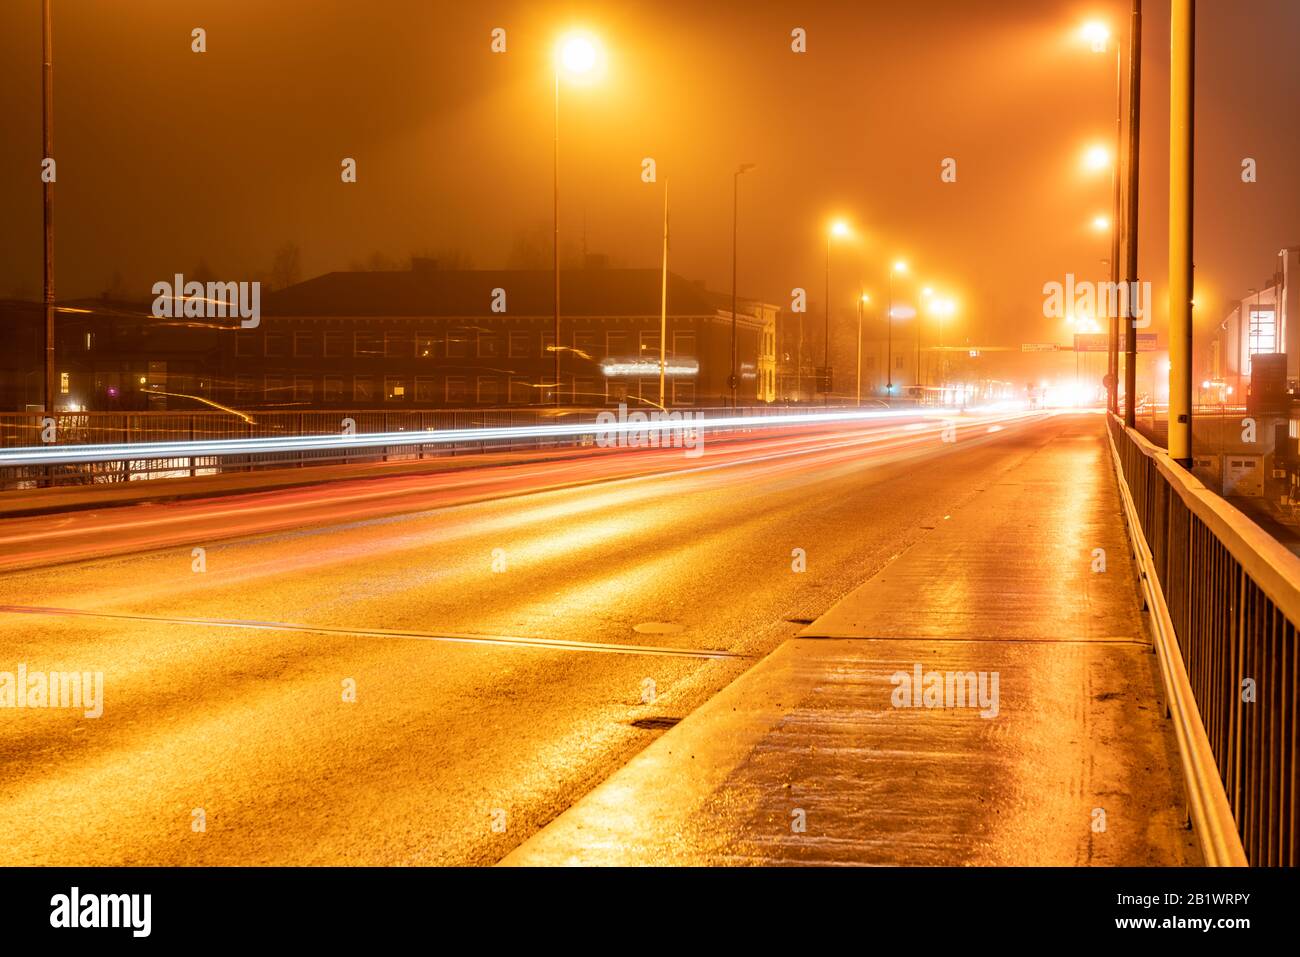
(47, 136)
(576, 56)
(863, 299)
(926, 294)
(742, 169)
(899, 266)
(837, 228)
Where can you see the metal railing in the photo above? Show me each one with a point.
(86, 429)
(1230, 595)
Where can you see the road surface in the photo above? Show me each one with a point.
(512, 639)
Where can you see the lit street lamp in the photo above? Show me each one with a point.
(838, 228)
(898, 266)
(863, 299)
(576, 55)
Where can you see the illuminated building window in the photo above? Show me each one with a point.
(394, 389)
(65, 382)
(425, 346)
(1263, 334)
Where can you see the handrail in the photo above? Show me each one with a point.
(1208, 807)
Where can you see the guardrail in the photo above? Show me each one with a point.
(1224, 598)
(89, 448)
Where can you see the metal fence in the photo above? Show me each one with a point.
(1232, 594)
(36, 430)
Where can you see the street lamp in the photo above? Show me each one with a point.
(735, 201)
(863, 299)
(1096, 158)
(900, 267)
(841, 229)
(576, 55)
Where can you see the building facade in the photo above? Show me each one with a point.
(432, 338)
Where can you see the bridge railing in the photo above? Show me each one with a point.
(406, 436)
(1230, 595)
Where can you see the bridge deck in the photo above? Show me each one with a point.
(809, 757)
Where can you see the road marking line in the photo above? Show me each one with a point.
(551, 643)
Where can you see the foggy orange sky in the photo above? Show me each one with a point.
(168, 158)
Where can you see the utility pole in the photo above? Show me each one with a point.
(47, 137)
(1182, 89)
(1131, 264)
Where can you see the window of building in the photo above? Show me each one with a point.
(336, 344)
(424, 389)
(397, 345)
(363, 389)
(649, 345)
(683, 392)
(302, 388)
(457, 389)
(245, 387)
(1263, 333)
(684, 344)
(65, 382)
(246, 343)
(276, 389)
(489, 345)
(548, 345)
(304, 344)
(616, 344)
(394, 388)
(489, 390)
(333, 388)
(367, 345)
(276, 344)
(585, 342)
(521, 391)
(426, 347)
(587, 390)
(457, 343)
(519, 342)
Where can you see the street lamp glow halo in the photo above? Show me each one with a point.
(1096, 157)
(579, 56)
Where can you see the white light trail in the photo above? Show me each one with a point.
(75, 454)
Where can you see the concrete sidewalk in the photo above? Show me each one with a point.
(807, 757)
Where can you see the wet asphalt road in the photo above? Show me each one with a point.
(454, 751)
